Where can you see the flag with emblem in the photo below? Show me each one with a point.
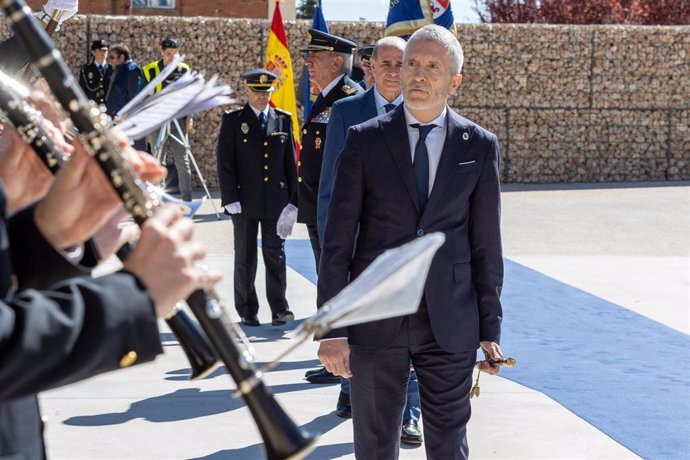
(317, 23)
(278, 61)
(406, 16)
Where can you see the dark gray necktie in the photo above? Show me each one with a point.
(421, 165)
(262, 120)
(389, 107)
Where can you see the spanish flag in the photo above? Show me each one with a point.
(278, 61)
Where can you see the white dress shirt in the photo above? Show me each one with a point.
(381, 101)
(434, 140)
(257, 112)
(331, 85)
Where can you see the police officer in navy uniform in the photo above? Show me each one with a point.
(329, 60)
(93, 77)
(258, 185)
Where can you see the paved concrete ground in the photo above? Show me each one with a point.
(626, 244)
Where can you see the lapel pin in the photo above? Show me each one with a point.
(245, 128)
(465, 136)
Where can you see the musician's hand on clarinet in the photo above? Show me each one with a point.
(114, 233)
(78, 203)
(25, 178)
(493, 354)
(145, 165)
(168, 261)
(335, 356)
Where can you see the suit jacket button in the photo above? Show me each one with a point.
(420, 232)
(304, 131)
(244, 140)
(128, 359)
(265, 143)
(265, 179)
(266, 167)
(299, 179)
(265, 155)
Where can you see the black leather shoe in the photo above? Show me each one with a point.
(322, 376)
(252, 320)
(313, 371)
(343, 408)
(410, 433)
(283, 317)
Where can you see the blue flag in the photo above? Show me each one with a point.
(406, 16)
(318, 23)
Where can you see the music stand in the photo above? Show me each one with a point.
(181, 138)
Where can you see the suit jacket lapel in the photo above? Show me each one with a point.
(272, 121)
(457, 137)
(394, 131)
(369, 105)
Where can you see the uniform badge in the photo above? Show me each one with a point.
(244, 127)
(349, 90)
(90, 76)
(317, 143)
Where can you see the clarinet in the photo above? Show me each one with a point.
(283, 439)
(28, 121)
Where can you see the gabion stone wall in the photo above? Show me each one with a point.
(568, 103)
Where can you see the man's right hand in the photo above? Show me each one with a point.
(335, 356)
(168, 261)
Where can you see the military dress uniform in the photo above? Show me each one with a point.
(314, 135)
(256, 167)
(94, 78)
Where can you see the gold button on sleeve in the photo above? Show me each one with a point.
(128, 359)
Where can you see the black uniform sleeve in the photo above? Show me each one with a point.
(225, 161)
(77, 329)
(290, 165)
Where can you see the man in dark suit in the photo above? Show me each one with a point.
(93, 77)
(385, 61)
(256, 169)
(420, 168)
(329, 60)
(55, 329)
(124, 79)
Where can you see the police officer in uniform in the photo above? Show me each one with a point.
(256, 169)
(94, 76)
(329, 60)
(364, 53)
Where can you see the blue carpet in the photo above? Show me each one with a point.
(623, 373)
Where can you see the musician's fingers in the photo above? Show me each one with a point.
(204, 277)
(183, 229)
(148, 167)
(166, 215)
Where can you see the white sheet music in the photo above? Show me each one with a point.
(189, 94)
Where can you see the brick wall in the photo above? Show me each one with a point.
(568, 103)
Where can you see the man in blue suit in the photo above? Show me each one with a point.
(433, 171)
(385, 63)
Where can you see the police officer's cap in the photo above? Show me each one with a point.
(169, 43)
(365, 53)
(98, 45)
(321, 41)
(260, 80)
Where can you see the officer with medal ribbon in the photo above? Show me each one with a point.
(258, 186)
(93, 76)
(329, 60)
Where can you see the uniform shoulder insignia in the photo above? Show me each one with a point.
(282, 112)
(231, 111)
(349, 90)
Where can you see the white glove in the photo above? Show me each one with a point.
(68, 7)
(286, 221)
(234, 208)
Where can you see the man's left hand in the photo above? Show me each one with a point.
(493, 354)
(286, 221)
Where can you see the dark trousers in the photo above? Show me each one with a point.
(273, 250)
(315, 244)
(378, 390)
